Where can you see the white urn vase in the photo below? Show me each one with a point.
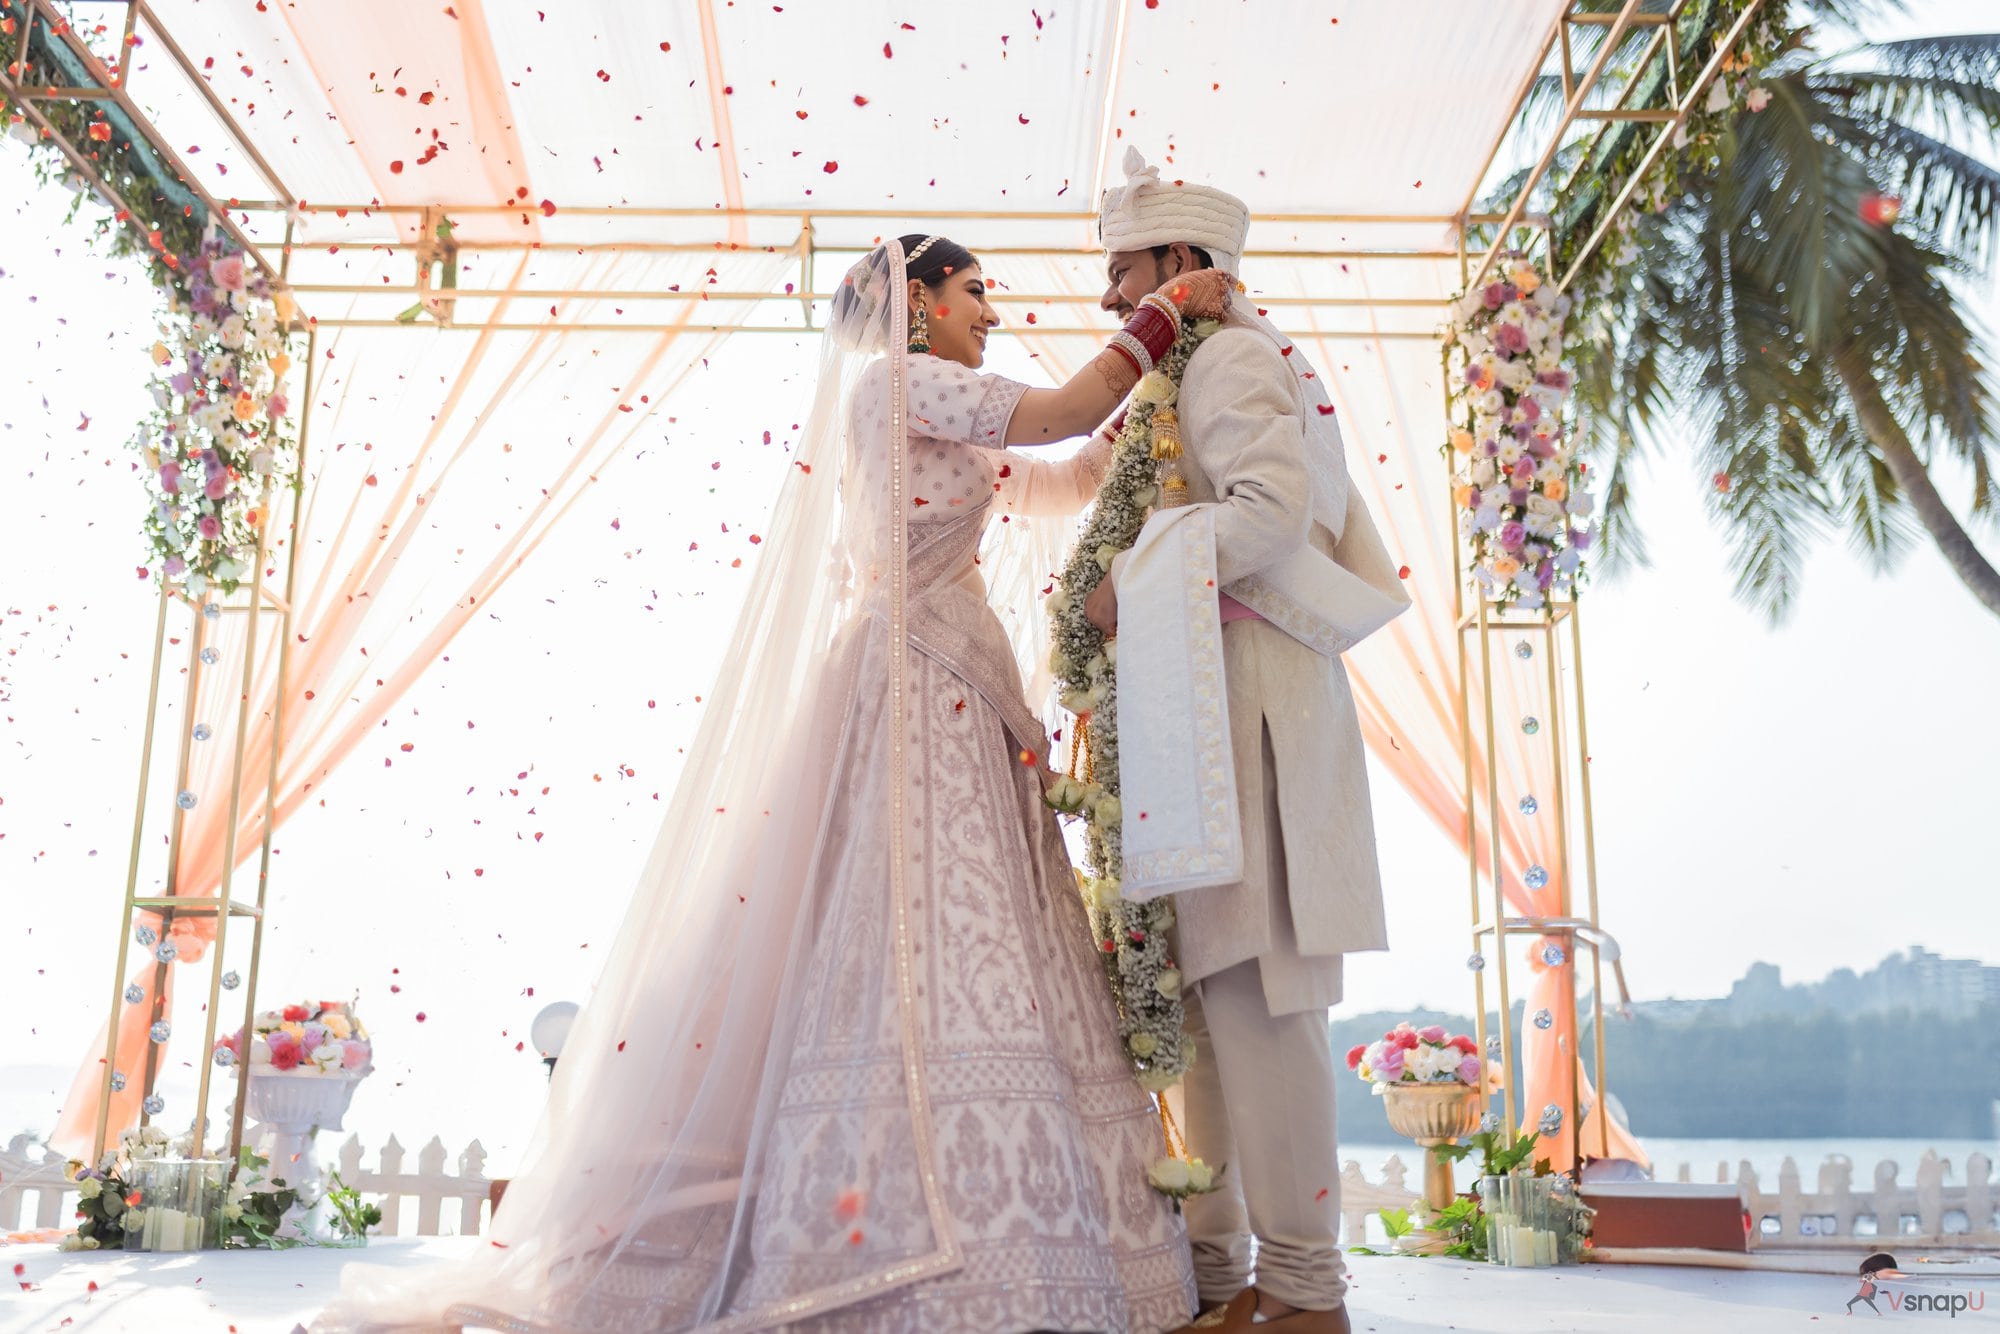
(291, 1108)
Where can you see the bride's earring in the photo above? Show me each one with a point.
(920, 333)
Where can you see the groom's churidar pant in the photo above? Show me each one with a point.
(1260, 1099)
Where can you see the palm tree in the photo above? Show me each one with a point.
(1800, 299)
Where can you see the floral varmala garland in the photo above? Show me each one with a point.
(220, 427)
(1145, 983)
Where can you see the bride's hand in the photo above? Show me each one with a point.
(1201, 295)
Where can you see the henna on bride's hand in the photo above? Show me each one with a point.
(1115, 371)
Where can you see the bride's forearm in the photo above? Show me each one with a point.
(1045, 416)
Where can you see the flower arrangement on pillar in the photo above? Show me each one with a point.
(1433, 1086)
(1516, 484)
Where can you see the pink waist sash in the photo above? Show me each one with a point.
(1232, 610)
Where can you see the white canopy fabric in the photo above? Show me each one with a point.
(999, 123)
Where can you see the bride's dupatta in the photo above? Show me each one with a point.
(638, 1207)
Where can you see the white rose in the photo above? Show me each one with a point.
(1109, 810)
(72, 1242)
(89, 1188)
(260, 1053)
(1168, 1174)
(1154, 387)
(1201, 1177)
(232, 1212)
(1143, 1044)
(233, 331)
(1168, 983)
(1482, 473)
(327, 1056)
(1492, 402)
(1076, 701)
(1718, 96)
(1543, 508)
(1582, 504)
(1105, 555)
(1111, 653)
(1516, 375)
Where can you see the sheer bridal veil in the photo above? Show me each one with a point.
(637, 1205)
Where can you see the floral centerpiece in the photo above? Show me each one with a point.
(1409, 1055)
(309, 1038)
(1515, 482)
(220, 430)
(1145, 983)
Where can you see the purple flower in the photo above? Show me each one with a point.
(1531, 409)
(1545, 574)
(314, 1034)
(1492, 448)
(1389, 1068)
(175, 567)
(1512, 535)
(1510, 339)
(210, 527)
(1518, 497)
(1554, 379)
(170, 478)
(1468, 1070)
(194, 362)
(1580, 540)
(1495, 295)
(182, 384)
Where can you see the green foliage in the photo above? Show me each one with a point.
(1396, 1222)
(356, 1217)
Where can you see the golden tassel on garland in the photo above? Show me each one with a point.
(1167, 453)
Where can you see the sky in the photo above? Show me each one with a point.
(1816, 794)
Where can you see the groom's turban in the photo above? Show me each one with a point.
(1147, 211)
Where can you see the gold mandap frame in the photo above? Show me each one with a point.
(1477, 623)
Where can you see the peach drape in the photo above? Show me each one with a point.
(402, 545)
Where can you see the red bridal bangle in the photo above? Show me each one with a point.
(1154, 330)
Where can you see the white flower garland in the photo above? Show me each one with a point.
(1145, 983)
(1516, 482)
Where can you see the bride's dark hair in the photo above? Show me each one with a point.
(855, 308)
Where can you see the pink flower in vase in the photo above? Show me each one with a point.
(1433, 1033)
(285, 1051)
(209, 527)
(1468, 1070)
(1389, 1068)
(355, 1053)
(310, 1039)
(1355, 1053)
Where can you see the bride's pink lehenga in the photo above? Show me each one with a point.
(861, 1101)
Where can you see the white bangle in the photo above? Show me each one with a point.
(1140, 356)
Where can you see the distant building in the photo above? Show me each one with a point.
(1919, 980)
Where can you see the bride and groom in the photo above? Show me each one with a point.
(853, 1064)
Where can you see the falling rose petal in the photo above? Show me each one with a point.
(1403, 572)
(548, 209)
(830, 168)
(860, 101)
(421, 1016)
(396, 167)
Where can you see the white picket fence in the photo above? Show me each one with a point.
(1925, 1212)
(33, 1193)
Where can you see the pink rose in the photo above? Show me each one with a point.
(285, 1051)
(217, 485)
(1468, 1070)
(1389, 1068)
(1464, 1044)
(170, 478)
(1434, 1033)
(228, 273)
(1354, 1055)
(210, 527)
(356, 1053)
(310, 1039)
(175, 567)
(1405, 1039)
(277, 405)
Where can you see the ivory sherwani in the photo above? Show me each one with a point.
(1291, 717)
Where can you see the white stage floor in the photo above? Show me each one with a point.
(271, 1292)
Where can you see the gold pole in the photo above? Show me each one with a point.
(229, 833)
(1590, 872)
(1486, 632)
(131, 882)
(197, 640)
(1563, 900)
(277, 745)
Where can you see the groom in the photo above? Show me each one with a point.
(1302, 576)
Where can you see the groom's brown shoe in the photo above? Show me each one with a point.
(1238, 1315)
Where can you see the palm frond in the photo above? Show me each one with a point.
(1879, 526)
(1952, 196)
(1951, 78)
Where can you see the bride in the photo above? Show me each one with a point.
(852, 1064)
